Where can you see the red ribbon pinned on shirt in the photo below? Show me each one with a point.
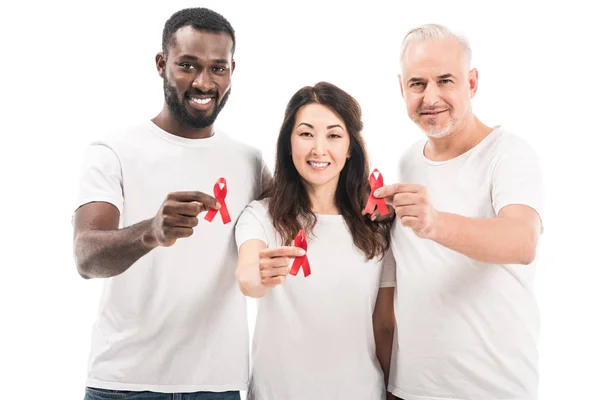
(220, 196)
(300, 241)
(373, 201)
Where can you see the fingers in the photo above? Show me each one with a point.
(273, 270)
(272, 282)
(181, 221)
(274, 264)
(270, 263)
(410, 222)
(285, 251)
(405, 199)
(390, 190)
(266, 273)
(171, 234)
(200, 197)
(409, 211)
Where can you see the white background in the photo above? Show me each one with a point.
(71, 72)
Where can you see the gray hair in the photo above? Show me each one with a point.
(434, 31)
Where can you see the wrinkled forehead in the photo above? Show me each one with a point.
(434, 57)
(201, 43)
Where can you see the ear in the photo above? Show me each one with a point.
(161, 64)
(473, 81)
(400, 82)
(232, 66)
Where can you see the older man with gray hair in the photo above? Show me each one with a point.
(468, 207)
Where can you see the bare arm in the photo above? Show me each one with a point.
(260, 269)
(247, 272)
(384, 325)
(511, 238)
(102, 251)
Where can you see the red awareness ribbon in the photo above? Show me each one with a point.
(300, 241)
(374, 201)
(220, 196)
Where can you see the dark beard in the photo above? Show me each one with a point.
(181, 114)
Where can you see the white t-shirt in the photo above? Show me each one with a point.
(314, 336)
(466, 330)
(175, 321)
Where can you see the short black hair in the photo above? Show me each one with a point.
(200, 19)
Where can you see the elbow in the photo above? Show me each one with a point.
(528, 256)
(81, 262)
(82, 268)
(528, 249)
(83, 272)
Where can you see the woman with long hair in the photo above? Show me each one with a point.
(325, 333)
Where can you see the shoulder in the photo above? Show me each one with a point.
(239, 147)
(505, 143)
(259, 209)
(122, 138)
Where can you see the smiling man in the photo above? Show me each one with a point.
(465, 239)
(172, 322)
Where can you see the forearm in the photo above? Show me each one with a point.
(384, 337)
(107, 253)
(489, 240)
(249, 281)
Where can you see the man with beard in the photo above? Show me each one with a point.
(465, 239)
(171, 319)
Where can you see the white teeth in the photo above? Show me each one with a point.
(318, 164)
(202, 101)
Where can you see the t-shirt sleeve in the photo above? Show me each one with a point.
(101, 177)
(388, 270)
(517, 178)
(252, 224)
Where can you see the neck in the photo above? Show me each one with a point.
(458, 142)
(322, 198)
(165, 121)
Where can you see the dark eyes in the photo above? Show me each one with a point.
(186, 66)
(189, 67)
(422, 84)
(308, 134)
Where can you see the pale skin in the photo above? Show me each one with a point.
(437, 87)
(319, 136)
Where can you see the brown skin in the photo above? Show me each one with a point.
(102, 251)
(384, 324)
(198, 60)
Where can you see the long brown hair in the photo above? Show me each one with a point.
(290, 206)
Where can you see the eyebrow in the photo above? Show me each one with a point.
(444, 76)
(194, 58)
(312, 127)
